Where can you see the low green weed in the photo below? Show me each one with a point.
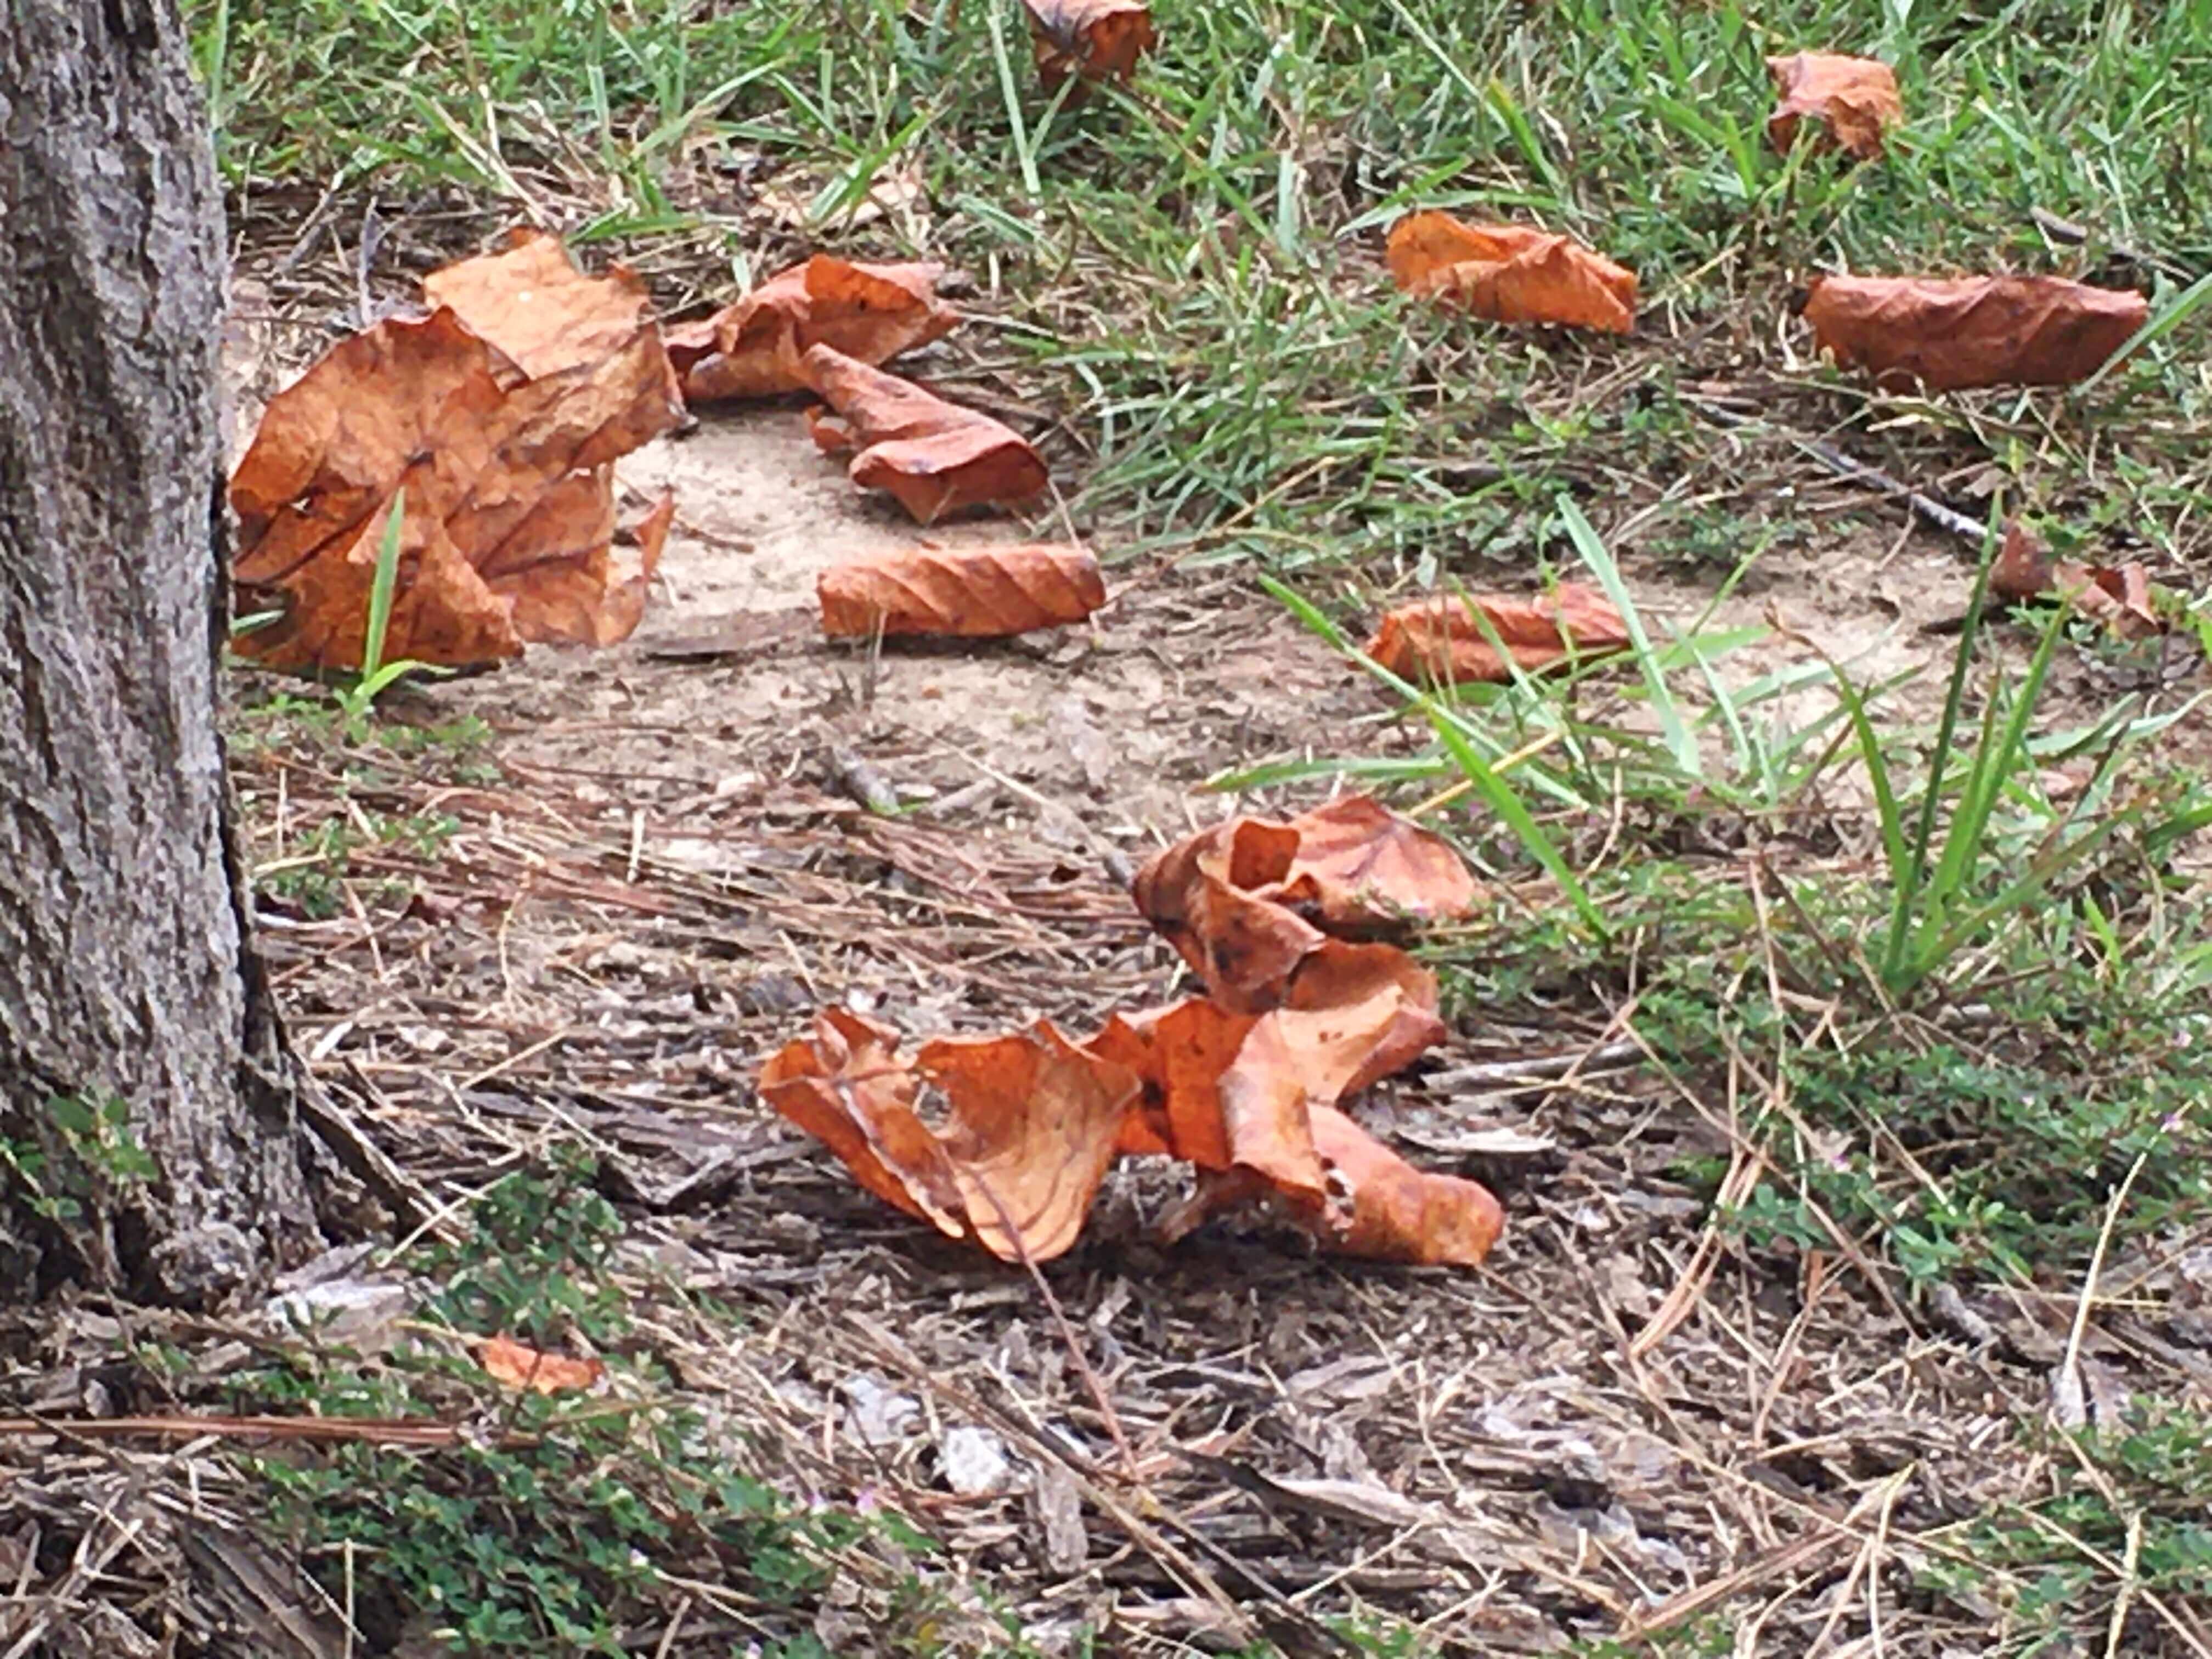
(2125, 1517)
(559, 1523)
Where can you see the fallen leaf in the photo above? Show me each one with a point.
(1390, 1211)
(1345, 974)
(1248, 901)
(1242, 1085)
(1947, 335)
(934, 457)
(847, 1088)
(508, 1363)
(1441, 638)
(1178, 1054)
(1373, 1203)
(2118, 596)
(1098, 40)
(1198, 895)
(558, 578)
(1854, 98)
(1032, 1124)
(1296, 1061)
(1360, 867)
(977, 593)
(1511, 274)
(757, 347)
(531, 302)
(509, 491)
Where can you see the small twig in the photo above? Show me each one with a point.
(2067, 1383)
(1490, 1074)
(377, 1431)
(860, 779)
(2130, 1565)
(1099, 1394)
(1943, 518)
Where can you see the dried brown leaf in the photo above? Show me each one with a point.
(935, 457)
(530, 302)
(1248, 901)
(1385, 1209)
(1032, 1123)
(1441, 639)
(1948, 335)
(2118, 596)
(512, 1366)
(1511, 274)
(1359, 867)
(757, 347)
(1098, 40)
(1179, 1054)
(508, 499)
(976, 592)
(1854, 100)
(847, 1087)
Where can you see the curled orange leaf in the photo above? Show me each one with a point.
(757, 347)
(1854, 100)
(1097, 40)
(1948, 335)
(976, 593)
(1511, 274)
(1360, 867)
(509, 491)
(1248, 901)
(1444, 639)
(1178, 1054)
(1032, 1122)
(1384, 1208)
(934, 457)
(510, 1364)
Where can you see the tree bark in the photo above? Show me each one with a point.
(127, 970)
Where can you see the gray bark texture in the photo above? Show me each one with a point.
(127, 970)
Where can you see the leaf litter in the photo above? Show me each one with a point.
(1245, 1083)
(1323, 1123)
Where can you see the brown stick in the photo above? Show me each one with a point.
(382, 1430)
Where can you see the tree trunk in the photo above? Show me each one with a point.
(148, 1129)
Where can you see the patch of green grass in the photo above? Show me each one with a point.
(1947, 1013)
(1189, 269)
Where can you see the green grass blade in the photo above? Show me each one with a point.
(2168, 316)
(1680, 742)
(380, 586)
